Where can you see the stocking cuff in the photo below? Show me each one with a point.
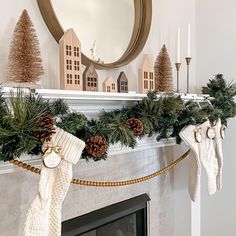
(71, 146)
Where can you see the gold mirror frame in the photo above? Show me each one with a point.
(142, 24)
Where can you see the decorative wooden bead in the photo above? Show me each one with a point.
(20, 164)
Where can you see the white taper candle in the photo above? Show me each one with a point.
(189, 39)
(178, 46)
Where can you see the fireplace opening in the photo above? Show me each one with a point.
(127, 218)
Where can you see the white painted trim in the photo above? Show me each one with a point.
(101, 96)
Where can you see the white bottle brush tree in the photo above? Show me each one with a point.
(25, 63)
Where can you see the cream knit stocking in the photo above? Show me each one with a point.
(188, 136)
(219, 153)
(208, 158)
(44, 215)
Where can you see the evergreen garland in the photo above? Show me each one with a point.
(148, 111)
(163, 117)
(223, 94)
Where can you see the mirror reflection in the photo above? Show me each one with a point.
(104, 27)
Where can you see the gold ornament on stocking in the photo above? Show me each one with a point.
(222, 131)
(52, 156)
(198, 135)
(211, 133)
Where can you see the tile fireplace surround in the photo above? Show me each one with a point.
(18, 187)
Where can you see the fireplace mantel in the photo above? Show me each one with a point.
(91, 103)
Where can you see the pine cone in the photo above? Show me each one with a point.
(234, 112)
(96, 146)
(46, 128)
(135, 125)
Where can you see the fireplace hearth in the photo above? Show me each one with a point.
(127, 218)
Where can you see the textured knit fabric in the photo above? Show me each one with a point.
(208, 158)
(208, 153)
(187, 135)
(44, 215)
(219, 154)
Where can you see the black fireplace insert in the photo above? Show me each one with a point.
(127, 218)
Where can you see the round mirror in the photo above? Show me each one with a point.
(112, 33)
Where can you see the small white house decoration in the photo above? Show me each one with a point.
(146, 75)
(70, 61)
(110, 85)
(90, 78)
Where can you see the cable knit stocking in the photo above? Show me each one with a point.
(208, 158)
(187, 135)
(219, 153)
(44, 215)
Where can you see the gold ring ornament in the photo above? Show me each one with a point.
(52, 156)
(222, 131)
(198, 135)
(211, 133)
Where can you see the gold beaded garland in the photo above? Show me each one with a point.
(107, 183)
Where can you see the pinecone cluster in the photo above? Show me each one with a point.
(46, 128)
(135, 125)
(96, 146)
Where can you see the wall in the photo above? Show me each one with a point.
(167, 16)
(216, 50)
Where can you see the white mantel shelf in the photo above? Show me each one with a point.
(100, 96)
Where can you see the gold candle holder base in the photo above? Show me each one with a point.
(177, 65)
(188, 60)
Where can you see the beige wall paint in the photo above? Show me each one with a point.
(216, 51)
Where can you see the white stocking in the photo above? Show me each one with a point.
(188, 136)
(219, 153)
(72, 148)
(208, 158)
(44, 215)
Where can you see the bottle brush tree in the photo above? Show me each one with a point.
(25, 63)
(163, 72)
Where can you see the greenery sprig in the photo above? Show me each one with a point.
(223, 93)
(164, 117)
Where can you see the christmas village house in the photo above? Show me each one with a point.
(110, 85)
(90, 78)
(122, 83)
(70, 61)
(146, 75)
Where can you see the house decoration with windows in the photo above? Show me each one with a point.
(146, 75)
(110, 85)
(90, 78)
(122, 83)
(70, 61)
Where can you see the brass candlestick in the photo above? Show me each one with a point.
(177, 65)
(188, 60)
